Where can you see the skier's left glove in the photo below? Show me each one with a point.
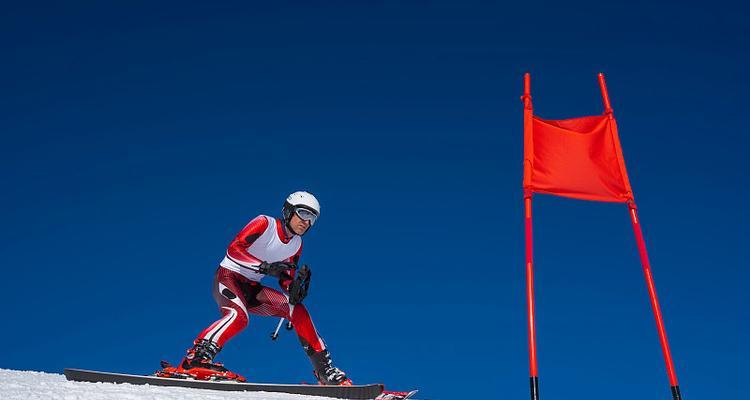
(300, 285)
(278, 269)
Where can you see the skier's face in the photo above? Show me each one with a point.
(299, 225)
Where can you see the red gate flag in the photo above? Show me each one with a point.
(579, 158)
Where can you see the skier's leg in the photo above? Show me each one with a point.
(305, 329)
(228, 291)
(274, 303)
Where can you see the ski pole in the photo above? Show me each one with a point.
(275, 334)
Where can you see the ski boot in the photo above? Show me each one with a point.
(324, 371)
(198, 364)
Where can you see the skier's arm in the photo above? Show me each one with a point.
(284, 283)
(237, 250)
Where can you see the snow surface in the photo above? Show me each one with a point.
(30, 385)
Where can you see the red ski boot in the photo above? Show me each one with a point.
(198, 364)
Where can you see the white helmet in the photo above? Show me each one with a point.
(298, 201)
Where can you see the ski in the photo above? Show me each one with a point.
(358, 392)
(388, 395)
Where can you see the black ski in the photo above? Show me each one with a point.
(360, 392)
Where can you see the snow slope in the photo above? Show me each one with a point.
(30, 385)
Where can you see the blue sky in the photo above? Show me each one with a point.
(138, 138)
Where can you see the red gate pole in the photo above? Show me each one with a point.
(644, 258)
(654, 301)
(528, 113)
(533, 372)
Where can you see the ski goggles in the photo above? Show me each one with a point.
(306, 214)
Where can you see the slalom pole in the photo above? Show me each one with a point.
(275, 334)
(674, 385)
(533, 372)
(527, 195)
(641, 242)
(605, 95)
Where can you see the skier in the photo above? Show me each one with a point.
(267, 246)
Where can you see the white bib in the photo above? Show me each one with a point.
(267, 247)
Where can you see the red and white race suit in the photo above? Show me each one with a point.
(239, 293)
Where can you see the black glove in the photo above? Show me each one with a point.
(278, 269)
(299, 286)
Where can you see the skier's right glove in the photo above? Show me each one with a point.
(279, 269)
(300, 285)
